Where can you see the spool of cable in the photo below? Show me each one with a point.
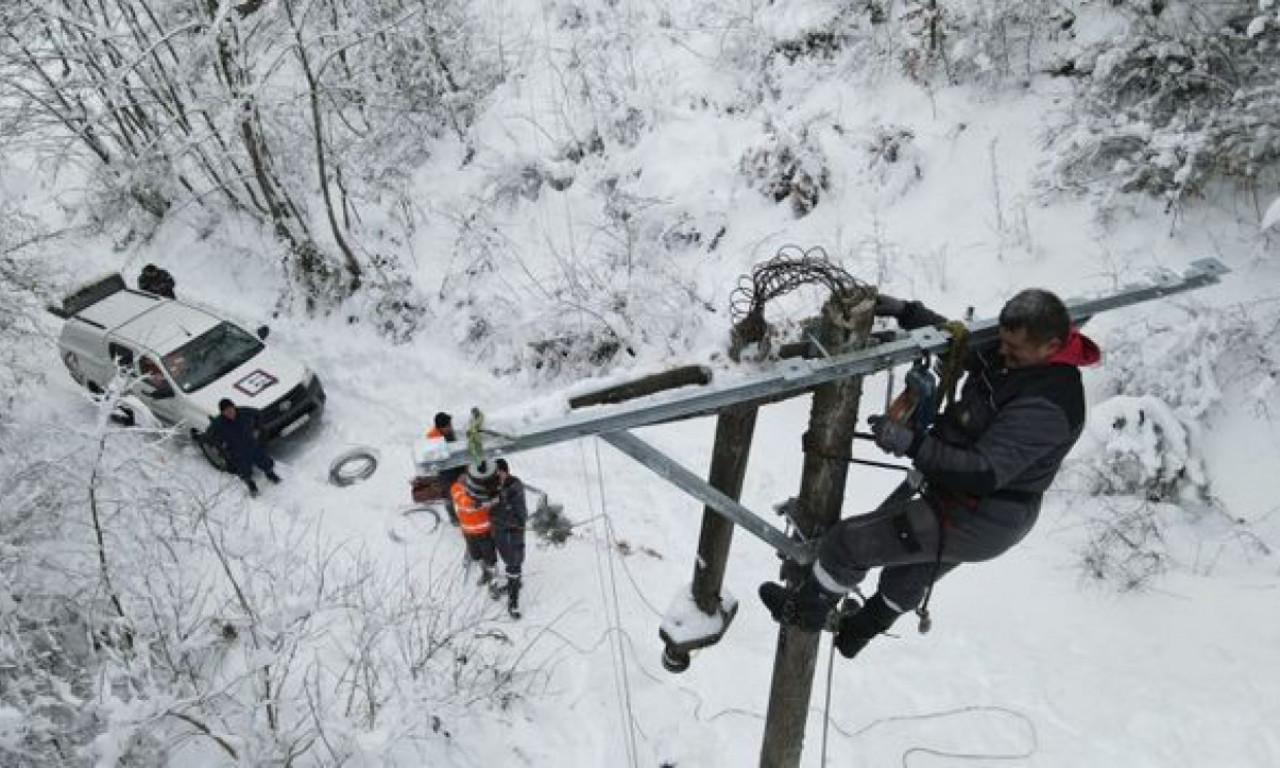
(353, 466)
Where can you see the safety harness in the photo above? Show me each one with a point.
(951, 366)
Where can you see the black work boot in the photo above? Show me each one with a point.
(272, 476)
(806, 607)
(856, 629)
(513, 598)
(253, 487)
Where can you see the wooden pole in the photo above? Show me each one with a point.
(734, 430)
(832, 420)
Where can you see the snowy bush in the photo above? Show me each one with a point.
(1132, 542)
(894, 160)
(22, 286)
(1164, 380)
(1126, 546)
(390, 302)
(992, 41)
(1137, 446)
(1181, 102)
(295, 115)
(582, 294)
(148, 622)
(1187, 357)
(792, 172)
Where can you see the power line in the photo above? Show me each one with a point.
(617, 660)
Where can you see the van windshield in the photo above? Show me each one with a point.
(210, 356)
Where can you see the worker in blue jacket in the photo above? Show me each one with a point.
(234, 430)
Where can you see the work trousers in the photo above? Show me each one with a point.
(510, 545)
(243, 464)
(902, 538)
(481, 549)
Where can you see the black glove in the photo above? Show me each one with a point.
(895, 438)
(888, 306)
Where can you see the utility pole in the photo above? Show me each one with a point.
(734, 430)
(846, 325)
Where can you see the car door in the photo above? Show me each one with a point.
(157, 390)
(122, 358)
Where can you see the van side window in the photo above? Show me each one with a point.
(122, 355)
(151, 370)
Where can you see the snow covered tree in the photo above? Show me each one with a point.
(1184, 99)
(257, 108)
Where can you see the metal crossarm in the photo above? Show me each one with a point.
(785, 378)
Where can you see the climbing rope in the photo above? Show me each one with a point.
(951, 366)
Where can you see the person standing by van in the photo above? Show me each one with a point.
(234, 430)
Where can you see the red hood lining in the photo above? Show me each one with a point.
(1079, 350)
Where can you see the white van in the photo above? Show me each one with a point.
(182, 360)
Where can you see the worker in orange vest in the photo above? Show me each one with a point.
(474, 494)
(442, 429)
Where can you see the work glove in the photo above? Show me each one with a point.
(895, 438)
(888, 306)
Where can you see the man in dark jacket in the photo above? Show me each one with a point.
(234, 430)
(509, 517)
(155, 280)
(986, 463)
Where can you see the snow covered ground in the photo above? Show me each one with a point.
(1032, 661)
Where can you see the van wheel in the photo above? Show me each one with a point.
(213, 454)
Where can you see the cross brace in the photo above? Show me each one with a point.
(783, 379)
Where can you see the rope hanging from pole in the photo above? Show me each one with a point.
(951, 366)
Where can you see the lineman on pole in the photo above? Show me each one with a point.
(986, 463)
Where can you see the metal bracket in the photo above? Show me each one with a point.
(671, 471)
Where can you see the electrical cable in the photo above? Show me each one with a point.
(826, 704)
(435, 514)
(635, 585)
(617, 611)
(353, 466)
(616, 659)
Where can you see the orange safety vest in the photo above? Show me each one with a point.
(435, 434)
(473, 519)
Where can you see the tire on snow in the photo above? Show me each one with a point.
(213, 453)
(353, 466)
